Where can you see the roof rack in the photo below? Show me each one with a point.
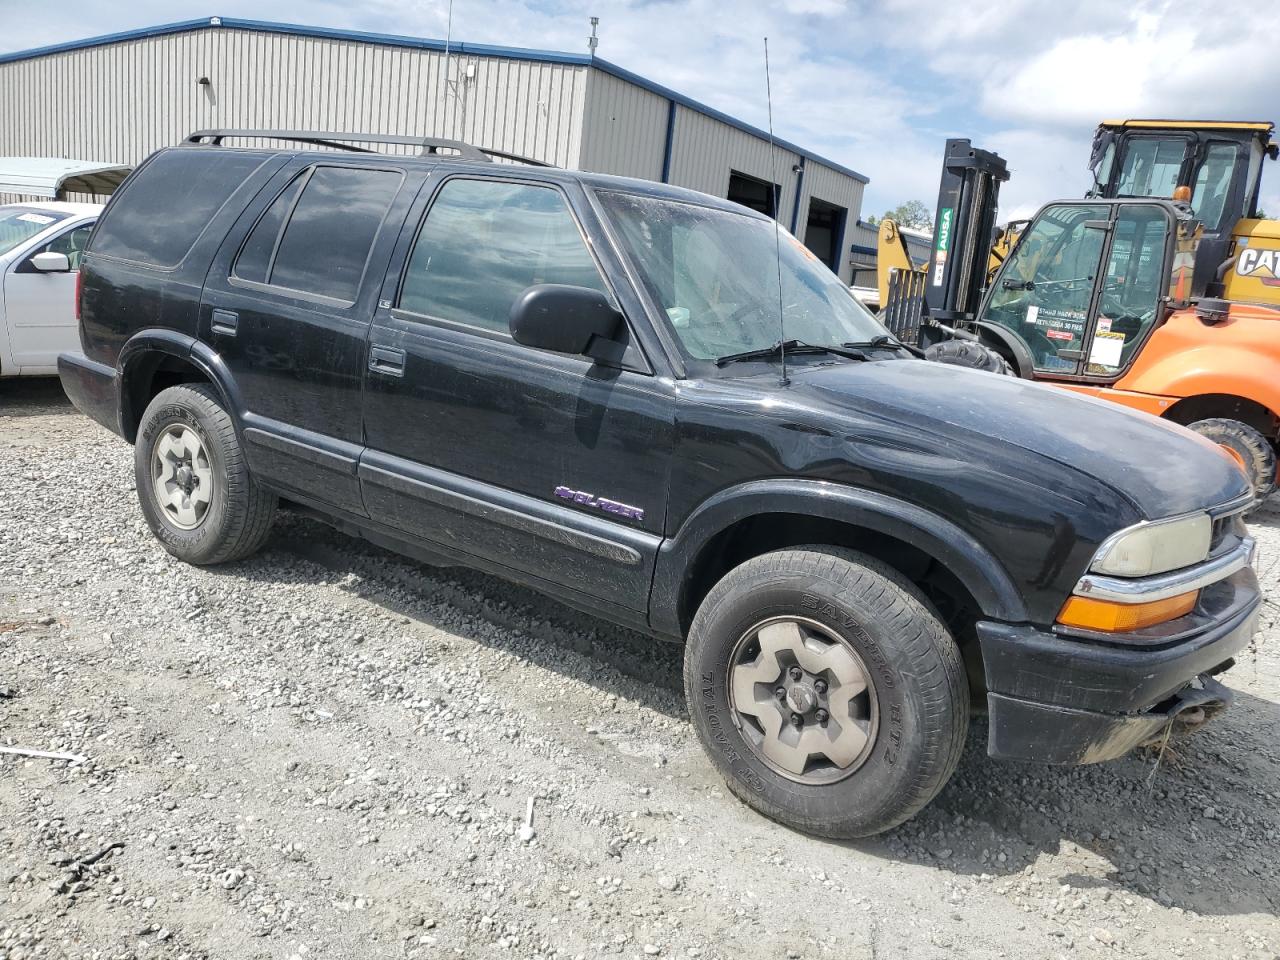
(334, 140)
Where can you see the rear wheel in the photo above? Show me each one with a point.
(193, 483)
(1248, 447)
(826, 691)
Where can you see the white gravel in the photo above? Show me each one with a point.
(328, 751)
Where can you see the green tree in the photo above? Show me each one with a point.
(913, 214)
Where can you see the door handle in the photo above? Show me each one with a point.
(388, 360)
(225, 322)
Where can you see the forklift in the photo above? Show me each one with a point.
(1160, 289)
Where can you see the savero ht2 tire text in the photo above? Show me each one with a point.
(826, 690)
(193, 482)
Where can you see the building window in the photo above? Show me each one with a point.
(823, 231)
(753, 193)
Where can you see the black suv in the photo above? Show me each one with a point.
(577, 382)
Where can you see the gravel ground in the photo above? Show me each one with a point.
(328, 751)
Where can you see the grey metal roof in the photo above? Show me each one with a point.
(51, 177)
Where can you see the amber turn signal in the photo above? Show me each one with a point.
(1110, 617)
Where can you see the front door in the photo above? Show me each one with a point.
(287, 305)
(1083, 288)
(41, 307)
(550, 466)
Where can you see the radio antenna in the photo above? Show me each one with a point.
(444, 87)
(777, 230)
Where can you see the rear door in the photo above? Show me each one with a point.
(287, 305)
(551, 466)
(41, 307)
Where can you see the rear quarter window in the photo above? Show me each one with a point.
(163, 210)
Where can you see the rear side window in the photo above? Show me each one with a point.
(254, 262)
(164, 209)
(316, 236)
(484, 242)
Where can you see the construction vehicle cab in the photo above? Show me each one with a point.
(1160, 290)
(1216, 166)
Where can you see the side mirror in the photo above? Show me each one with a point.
(554, 316)
(50, 262)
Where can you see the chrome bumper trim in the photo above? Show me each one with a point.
(1165, 585)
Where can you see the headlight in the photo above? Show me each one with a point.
(1151, 548)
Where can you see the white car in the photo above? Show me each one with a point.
(40, 248)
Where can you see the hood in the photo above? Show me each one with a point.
(1163, 469)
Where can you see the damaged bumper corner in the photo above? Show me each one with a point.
(1058, 699)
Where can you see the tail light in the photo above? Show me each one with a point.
(79, 291)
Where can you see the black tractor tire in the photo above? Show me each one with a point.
(1247, 445)
(914, 668)
(237, 515)
(969, 353)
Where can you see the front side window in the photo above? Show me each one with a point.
(20, 224)
(1213, 184)
(1042, 293)
(1150, 167)
(715, 273)
(71, 243)
(484, 242)
(1135, 277)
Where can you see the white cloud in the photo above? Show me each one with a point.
(875, 84)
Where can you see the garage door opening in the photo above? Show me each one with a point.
(824, 230)
(756, 194)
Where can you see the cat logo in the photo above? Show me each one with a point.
(1262, 264)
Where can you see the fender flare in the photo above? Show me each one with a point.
(149, 342)
(1227, 372)
(980, 572)
(992, 334)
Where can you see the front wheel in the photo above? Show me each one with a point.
(1247, 447)
(826, 690)
(193, 483)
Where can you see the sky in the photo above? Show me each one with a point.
(877, 85)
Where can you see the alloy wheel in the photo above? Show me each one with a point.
(803, 700)
(182, 478)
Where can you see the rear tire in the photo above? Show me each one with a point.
(193, 483)
(850, 613)
(1253, 451)
(969, 353)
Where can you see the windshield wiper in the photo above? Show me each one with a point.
(790, 346)
(885, 340)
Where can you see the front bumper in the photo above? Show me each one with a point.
(93, 389)
(1070, 700)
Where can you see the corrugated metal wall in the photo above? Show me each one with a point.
(624, 128)
(121, 101)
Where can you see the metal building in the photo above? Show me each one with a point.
(117, 98)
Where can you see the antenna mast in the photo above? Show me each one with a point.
(444, 87)
(777, 230)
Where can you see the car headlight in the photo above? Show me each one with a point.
(1151, 548)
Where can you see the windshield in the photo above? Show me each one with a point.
(19, 224)
(715, 273)
(1151, 167)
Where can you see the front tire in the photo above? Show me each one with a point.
(1248, 447)
(193, 482)
(801, 632)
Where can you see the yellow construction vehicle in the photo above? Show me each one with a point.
(1159, 290)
